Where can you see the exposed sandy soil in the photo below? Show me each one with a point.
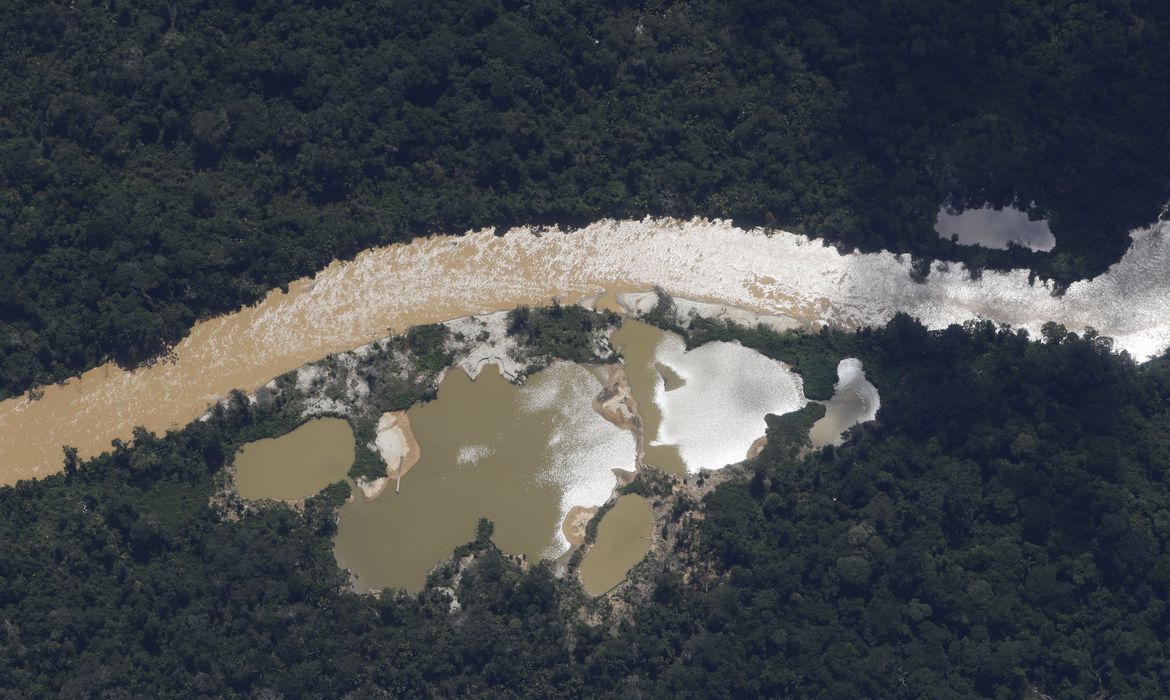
(398, 449)
(757, 447)
(615, 403)
(575, 522)
(490, 345)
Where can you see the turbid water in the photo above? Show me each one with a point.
(524, 456)
(670, 378)
(297, 464)
(520, 456)
(854, 401)
(638, 343)
(623, 538)
(387, 289)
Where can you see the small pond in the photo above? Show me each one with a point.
(854, 401)
(623, 538)
(297, 464)
(994, 228)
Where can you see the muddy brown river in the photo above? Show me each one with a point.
(388, 289)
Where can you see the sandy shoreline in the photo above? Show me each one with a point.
(397, 447)
(575, 522)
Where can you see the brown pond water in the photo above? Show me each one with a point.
(523, 456)
(623, 538)
(520, 456)
(842, 412)
(297, 464)
(670, 378)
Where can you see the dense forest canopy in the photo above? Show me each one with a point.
(160, 162)
(1001, 530)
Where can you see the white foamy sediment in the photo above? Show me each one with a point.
(430, 280)
(470, 455)
(716, 415)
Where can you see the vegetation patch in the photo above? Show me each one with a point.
(789, 433)
(562, 332)
(650, 483)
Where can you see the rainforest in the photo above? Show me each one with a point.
(579, 348)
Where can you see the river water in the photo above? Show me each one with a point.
(387, 289)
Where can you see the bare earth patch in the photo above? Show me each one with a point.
(575, 522)
(398, 449)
